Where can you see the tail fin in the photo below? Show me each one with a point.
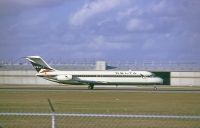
(38, 63)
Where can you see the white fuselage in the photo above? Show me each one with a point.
(102, 77)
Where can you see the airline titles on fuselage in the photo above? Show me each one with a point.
(125, 73)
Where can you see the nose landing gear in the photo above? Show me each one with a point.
(155, 88)
(91, 87)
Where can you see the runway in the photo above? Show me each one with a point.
(102, 115)
(148, 89)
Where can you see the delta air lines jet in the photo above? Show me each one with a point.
(92, 78)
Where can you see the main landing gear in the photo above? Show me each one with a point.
(91, 87)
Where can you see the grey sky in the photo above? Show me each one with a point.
(106, 29)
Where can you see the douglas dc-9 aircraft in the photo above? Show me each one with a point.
(92, 78)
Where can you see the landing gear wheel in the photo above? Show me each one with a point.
(155, 88)
(91, 87)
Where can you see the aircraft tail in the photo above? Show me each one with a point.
(38, 63)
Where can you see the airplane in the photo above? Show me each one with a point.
(92, 78)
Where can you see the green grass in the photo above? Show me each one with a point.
(25, 122)
(101, 102)
(81, 122)
(108, 102)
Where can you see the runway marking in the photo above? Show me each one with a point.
(102, 115)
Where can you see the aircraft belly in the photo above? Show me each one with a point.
(114, 80)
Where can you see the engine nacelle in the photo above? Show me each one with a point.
(64, 77)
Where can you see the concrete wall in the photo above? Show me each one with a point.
(185, 78)
(22, 78)
(28, 77)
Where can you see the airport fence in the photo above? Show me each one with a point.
(89, 64)
(75, 120)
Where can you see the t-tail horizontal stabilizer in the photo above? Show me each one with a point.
(38, 63)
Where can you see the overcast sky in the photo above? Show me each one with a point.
(101, 29)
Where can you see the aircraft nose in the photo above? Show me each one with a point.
(160, 80)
